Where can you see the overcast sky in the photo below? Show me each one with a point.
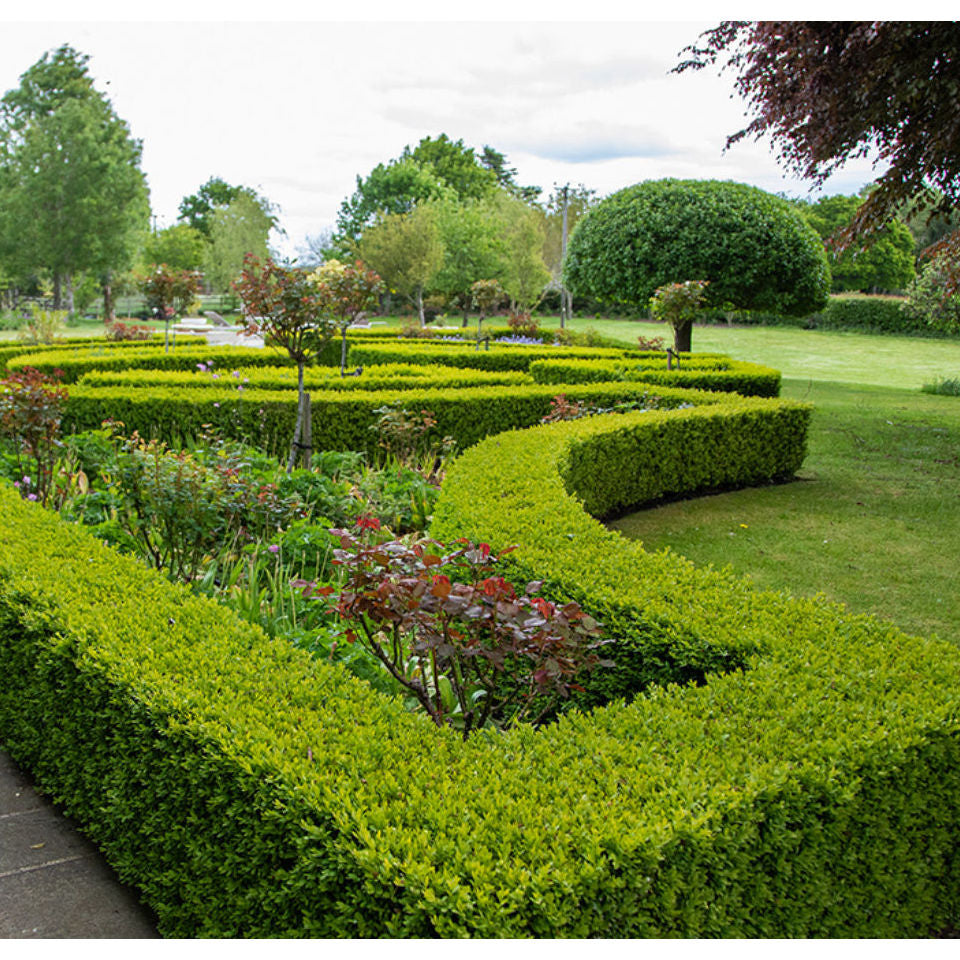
(298, 109)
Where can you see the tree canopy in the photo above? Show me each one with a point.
(236, 231)
(405, 249)
(829, 91)
(754, 249)
(197, 210)
(72, 195)
(438, 168)
(885, 264)
(180, 246)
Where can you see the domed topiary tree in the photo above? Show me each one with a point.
(754, 249)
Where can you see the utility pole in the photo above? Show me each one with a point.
(564, 310)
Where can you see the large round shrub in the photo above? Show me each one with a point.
(756, 251)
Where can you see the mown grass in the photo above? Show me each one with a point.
(873, 519)
(828, 355)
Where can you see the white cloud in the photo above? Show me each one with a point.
(298, 110)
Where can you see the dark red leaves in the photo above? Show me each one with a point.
(430, 614)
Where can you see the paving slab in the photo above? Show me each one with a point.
(54, 883)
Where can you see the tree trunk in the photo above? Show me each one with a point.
(68, 283)
(109, 303)
(423, 319)
(298, 429)
(306, 433)
(343, 350)
(57, 291)
(681, 336)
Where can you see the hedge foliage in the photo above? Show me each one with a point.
(498, 357)
(251, 791)
(697, 371)
(341, 419)
(9, 351)
(76, 361)
(384, 377)
(792, 772)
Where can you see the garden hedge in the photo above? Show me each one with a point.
(695, 372)
(251, 791)
(384, 377)
(74, 362)
(9, 351)
(341, 419)
(498, 357)
(792, 771)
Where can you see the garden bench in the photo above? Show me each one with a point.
(215, 318)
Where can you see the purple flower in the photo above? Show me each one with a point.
(31, 496)
(202, 367)
(217, 405)
(26, 481)
(274, 548)
(236, 373)
(216, 376)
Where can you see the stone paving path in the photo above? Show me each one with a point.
(54, 883)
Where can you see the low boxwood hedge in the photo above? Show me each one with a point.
(697, 373)
(76, 361)
(250, 791)
(341, 419)
(498, 357)
(760, 766)
(385, 377)
(9, 351)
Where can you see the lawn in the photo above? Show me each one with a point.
(872, 519)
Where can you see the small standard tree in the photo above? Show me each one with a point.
(346, 294)
(290, 308)
(169, 293)
(487, 295)
(678, 304)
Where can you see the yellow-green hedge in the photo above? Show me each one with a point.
(803, 786)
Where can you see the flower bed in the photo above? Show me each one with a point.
(803, 785)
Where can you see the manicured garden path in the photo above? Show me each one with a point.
(54, 884)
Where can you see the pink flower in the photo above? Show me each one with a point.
(274, 548)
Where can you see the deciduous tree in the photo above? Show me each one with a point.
(437, 168)
(197, 209)
(71, 190)
(347, 292)
(405, 249)
(755, 249)
(829, 91)
(884, 264)
(290, 308)
(241, 229)
(181, 247)
(474, 249)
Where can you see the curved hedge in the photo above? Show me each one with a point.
(805, 785)
(385, 377)
(696, 373)
(499, 357)
(341, 419)
(251, 791)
